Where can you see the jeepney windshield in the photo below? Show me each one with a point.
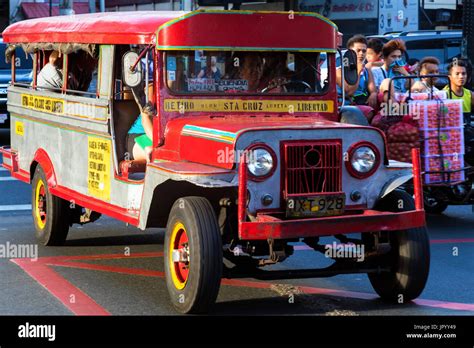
(239, 72)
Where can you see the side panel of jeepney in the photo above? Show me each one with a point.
(75, 133)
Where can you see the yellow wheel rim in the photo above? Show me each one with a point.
(40, 204)
(179, 269)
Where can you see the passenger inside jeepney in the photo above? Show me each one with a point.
(81, 66)
(51, 75)
(139, 137)
(212, 71)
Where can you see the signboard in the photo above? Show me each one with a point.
(248, 105)
(232, 85)
(98, 176)
(40, 103)
(395, 15)
(201, 85)
(342, 9)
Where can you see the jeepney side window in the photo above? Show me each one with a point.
(242, 72)
(323, 70)
(48, 70)
(82, 74)
(21, 67)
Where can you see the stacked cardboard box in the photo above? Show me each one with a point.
(441, 129)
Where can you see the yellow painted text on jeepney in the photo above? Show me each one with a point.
(98, 173)
(233, 105)
(19, 128)
(40, 103)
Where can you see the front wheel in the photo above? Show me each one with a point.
(193, 255)
(408, 258)
(433, 205)
(50, 213)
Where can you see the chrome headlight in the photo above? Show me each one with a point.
(260, 162)
(363, 159)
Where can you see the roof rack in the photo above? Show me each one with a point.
(439, 32)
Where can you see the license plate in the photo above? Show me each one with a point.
(323, 205)
(3, 118)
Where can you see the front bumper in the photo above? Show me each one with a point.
(275, 226)
(268, 226)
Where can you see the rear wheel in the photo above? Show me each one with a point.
(193, 255)
(50, 213)
(408, 258)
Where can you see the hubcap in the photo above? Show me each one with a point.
(40, 204)
(179, 257)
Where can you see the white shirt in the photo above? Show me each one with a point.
(50, 77)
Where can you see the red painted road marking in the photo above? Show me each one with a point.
(446, 305)
(62, 289)
(114, 269)
(99, 257)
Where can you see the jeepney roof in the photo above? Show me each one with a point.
(175, 30)
(137, 27)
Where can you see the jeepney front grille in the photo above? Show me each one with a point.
(312, 167)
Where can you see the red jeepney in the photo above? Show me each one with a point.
(250, 150)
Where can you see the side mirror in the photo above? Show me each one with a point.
(349, 63)
(135, 77)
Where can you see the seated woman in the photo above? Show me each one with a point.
(211, 71)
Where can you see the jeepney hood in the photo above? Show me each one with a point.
(202, 138)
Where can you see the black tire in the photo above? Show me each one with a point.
(409, 257)
(197, 292)
(434, 206)
(52, 227)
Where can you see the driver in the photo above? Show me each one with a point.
(275, 73)
(250, 68)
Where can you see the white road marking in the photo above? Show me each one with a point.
(3, 169)
(7, 178)
(15, 207)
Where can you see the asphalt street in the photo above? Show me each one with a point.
(108, 268)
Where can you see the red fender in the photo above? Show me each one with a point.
(42, 158)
